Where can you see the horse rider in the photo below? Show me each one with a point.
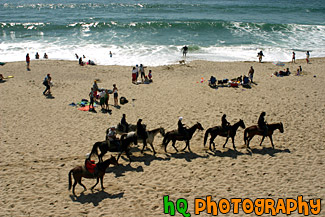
(124, 124)
(111, 137)
(181, 128)
(141, 132)
(90, 165)
(225, 124)
(262, 124)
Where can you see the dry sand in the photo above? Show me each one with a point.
(43, 139)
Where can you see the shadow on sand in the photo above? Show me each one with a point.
(268, 151)
(95, 198)
(229, 153)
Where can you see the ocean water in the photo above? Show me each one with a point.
(152, 32)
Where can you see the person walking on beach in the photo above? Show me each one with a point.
(184, 49)
(115, 95)
(46, 83)
(307, 56)
(251, 74)
(293, 57)
(28, 61)
(260, 55)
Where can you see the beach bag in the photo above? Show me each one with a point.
(123, 100)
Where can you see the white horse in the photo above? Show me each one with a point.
(151, 136)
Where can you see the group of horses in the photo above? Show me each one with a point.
(127, 138)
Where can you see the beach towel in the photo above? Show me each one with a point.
(86, 108)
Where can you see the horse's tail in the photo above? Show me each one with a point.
(165, 139)
(206, 136)
(245, 135)
(70, 180)
(94, 150)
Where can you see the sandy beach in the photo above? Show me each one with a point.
(42, 139)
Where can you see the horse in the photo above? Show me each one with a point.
(120, 129)
(151, 136)
(250, 132)
(106, 146)
(175, 135)
(219, 130)
(80, 171)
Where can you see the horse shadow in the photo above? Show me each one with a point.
(188, 156)
(148, 158)
(268, 151)
(229, 153)
(96, 197)
(121, 169)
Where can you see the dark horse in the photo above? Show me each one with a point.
(174, 135)
(220, 131)
(250, 132)
(80, 171)
(106, 146)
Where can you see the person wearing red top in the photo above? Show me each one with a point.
(90, 165)
(28, 61)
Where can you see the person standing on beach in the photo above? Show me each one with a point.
(134, 75)
(28, 61)
(91, 97)
(143, 75)
(260, 55)
(115, 95)
(106, 98)
(184, 49)
(293, 57)
(307, 56)
(46, 83)
(251, 74)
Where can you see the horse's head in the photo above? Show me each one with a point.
(113, 161)
(199, 126)
(242, 124)
(162, 131)
(281, 128)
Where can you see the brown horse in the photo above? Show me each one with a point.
(250, 132)
(80, 171)
(220, 131)
(175, 135)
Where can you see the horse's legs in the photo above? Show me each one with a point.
(73, 187)
(187, 145)
(128, 155)
(95, 184)
(262, 140)
(144, 145)
(154, 152)
(271, 141)
(166, 143)
(233, 142)
(211, 142)
(174, 141)
(224, 145)
(248, 140)
(101, 182)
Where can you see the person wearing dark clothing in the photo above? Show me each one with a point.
(141, 132)
(262, 123)
(181, 128)
(124, 124)
(224, 123)
(46, 83)
(184, 49)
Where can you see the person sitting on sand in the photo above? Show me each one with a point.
(146, 80)
(47, 83)
(90, 62)
(245, 80)
(213, 82)
(90, 165)
(150, 76)
(124, 124)
(81, 62)
(45, 56)
(37, 56)
(262, 124)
